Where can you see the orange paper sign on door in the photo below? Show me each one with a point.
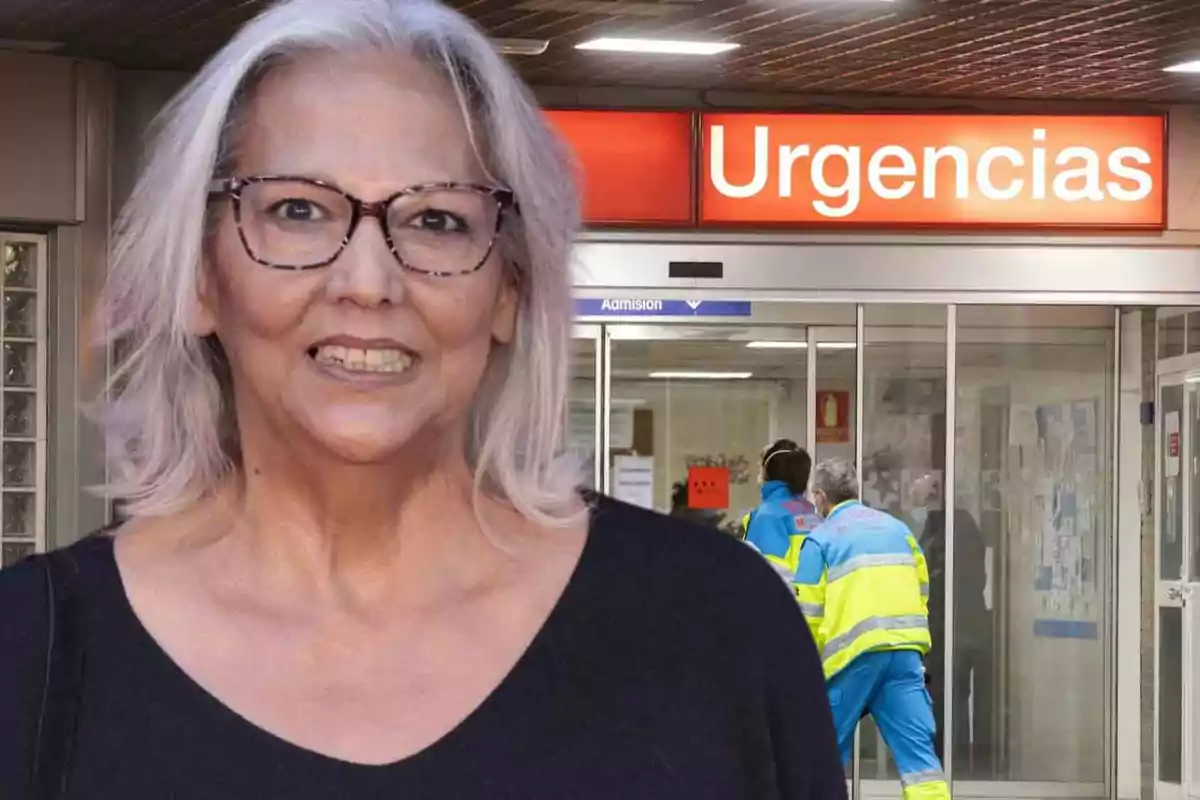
(708, 488)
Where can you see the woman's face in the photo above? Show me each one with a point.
(370, 124)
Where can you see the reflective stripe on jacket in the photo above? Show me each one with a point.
(777, 528)
(863, 585)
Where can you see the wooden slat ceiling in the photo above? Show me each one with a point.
(1037, 49)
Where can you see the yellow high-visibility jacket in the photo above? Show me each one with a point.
(863, 585)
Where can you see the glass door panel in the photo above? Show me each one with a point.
(584, 400)
(904, 449)
(1177, 724)
(1191, 590)
(1032, 534)
(836, 400)
(683, 397)
(1172, 645)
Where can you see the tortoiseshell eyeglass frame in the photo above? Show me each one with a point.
(360, 209)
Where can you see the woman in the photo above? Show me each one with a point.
(354, 564)
(777, 527)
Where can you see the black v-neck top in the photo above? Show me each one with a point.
(675, 665)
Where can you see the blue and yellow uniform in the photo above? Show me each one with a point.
(778, 527)
(863, 584)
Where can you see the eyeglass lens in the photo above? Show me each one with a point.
(299, 224)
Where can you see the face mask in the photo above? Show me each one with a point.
(919, 515)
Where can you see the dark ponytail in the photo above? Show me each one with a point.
(788, 462)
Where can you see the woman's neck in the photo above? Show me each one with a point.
(353, 532)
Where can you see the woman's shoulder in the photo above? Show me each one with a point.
(671, 555)
(26, 592)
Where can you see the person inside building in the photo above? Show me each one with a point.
(863, 585)
(682, 508)
(356, 561)
(973, 625)
(778, 526)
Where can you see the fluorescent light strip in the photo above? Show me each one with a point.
(793, 345)
(660, 46)
(1189, 67)
(702, 376)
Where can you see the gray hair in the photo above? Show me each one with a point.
(837, 479)
(167, 413)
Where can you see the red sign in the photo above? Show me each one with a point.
(869, 170)
(1173, 445)
(708, 488)
(636, 166)
(935, 170)
(833, 417)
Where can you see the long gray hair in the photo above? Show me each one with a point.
(166, 413)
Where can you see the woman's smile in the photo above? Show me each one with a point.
(363, 362)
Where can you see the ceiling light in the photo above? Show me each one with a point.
(662, 46)
(777, 345)
(702, 376)
(836, 346)
(1192, 67)
(521, 47)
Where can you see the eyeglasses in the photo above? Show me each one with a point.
(439, 229)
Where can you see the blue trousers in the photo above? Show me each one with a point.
(891, 687)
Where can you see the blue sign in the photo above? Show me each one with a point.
(654, 307)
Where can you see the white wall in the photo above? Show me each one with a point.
(40, 138)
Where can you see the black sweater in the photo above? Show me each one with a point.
(676, 665)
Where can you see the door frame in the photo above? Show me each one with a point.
(1183, 372)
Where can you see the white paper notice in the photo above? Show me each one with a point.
(633, 480)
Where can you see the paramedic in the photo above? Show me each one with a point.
(863, 585)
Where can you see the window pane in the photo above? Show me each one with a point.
(1194, 480)
(17, 518)
(1170, 695)
(1170, 537)
(1031, 531)
(836, 399)
(22, 343)
(20, 265)
(712, 401)
(1171, 335)
(1193, 332)
(13, 552)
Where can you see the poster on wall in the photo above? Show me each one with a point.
(1063, 515)
(833, 417)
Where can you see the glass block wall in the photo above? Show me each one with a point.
(23, 355)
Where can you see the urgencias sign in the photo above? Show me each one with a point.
(898, 170)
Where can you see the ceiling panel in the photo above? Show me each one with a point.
(1041, 49)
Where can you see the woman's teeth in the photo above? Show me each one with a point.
(356, 360)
